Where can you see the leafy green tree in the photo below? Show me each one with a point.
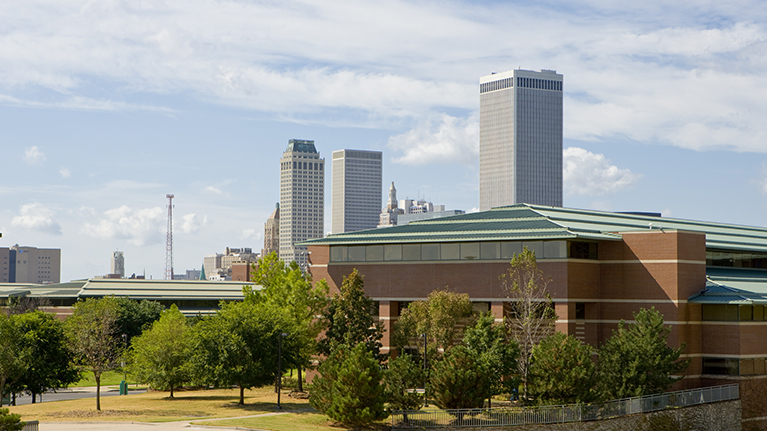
(439, 317)
(47, 358)
(349, 319)
(460, 380)
(239, 346)
(159, 355)
(636, 360)
(10, 421)
(287, 287)
(133, 317)
(531, 315)
(495, 351)
(404, 375)
(349, 388)
(11, 355)
(93, 335)
(562, 371)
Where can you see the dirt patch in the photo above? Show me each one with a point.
(93, 413)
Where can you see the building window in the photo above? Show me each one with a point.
(721, 366)
(580, 311)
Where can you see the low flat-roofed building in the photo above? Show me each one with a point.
(192, 297)
(709, 280)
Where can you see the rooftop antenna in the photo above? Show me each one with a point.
(169, 241)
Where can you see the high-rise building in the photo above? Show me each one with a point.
(389, 215)
(30, 265)
(357, 182)
(272, 233)
(117, 267)
(302, 199)
(520, 138)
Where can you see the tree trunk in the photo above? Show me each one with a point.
(300, 380)
(171, 390)
(2, 391)
(34, 397)
(98, 390)
(242, 395)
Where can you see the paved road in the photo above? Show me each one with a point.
(72, 394)
(138, 426)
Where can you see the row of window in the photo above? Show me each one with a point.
(736, 260)
(541, 84)
(491, 250)
(734, 366)
(733, 313)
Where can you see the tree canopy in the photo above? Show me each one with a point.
(460, 380)
(497, 354)
(531, 315)
(562, 371)
(636, 360)
(349, 319)
(159, 355)
(404, 375)
(440, 316)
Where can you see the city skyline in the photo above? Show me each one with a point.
(107, 107)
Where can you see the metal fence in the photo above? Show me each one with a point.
(31, 426)
(504, 416)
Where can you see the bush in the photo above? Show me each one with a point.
(10, 421)
(349, 388)
(460, 380)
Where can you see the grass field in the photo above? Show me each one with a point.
(158, 407)
(109, 378)
(307, 420)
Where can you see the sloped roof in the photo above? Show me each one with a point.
(537, 222)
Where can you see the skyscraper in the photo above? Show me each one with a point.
(20, 264)
(117, 266)
(272, 233)
(357, 182)
(520, 138)
(302, 199)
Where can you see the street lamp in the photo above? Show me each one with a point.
(279, 369)
(125, 372)
(425, 372)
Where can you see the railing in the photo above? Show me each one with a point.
(30, 426)
(503, 416)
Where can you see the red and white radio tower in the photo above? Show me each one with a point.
(169, 241)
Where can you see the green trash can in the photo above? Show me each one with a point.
(123, 388)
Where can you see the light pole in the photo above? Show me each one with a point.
(425, 372)
(279, 369)
(125, 372)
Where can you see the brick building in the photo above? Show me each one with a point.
(709, 280)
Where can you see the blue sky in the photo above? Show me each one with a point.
(106, 106)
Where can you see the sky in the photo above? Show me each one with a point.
(106, 106)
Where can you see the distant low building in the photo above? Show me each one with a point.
(392, 211)
(218, 267)
(408, 210)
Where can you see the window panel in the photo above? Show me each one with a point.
(554, 249)
(490, 250)
(356, 253)
(338, 253)
(509, 249)
(429, 251)
(411, 252)
(392, 252)
(374, 253)
(470, 250)
(534, 246)
(450, 251)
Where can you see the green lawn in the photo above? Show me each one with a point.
(307, 420)
(109, 378)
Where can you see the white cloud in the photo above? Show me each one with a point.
(37, 217)
(139, 227)
(192, 224)
(444, 140)
(587, 173)
(64, 172)
(251, 234)
(33, 155)
(213, 189)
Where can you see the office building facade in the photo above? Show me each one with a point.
(272, 233)
(302, 199)
(117, 266)
(20, 264)
(356, 190)
(520, 138)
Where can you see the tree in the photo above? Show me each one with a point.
(239, 346)
(11, 363)
(287, 287)
(531, 315)
(10, 421)
(439, 317)
(562, 371)
(47, 358)
(159, 355)
(496, 353)
(460, 380)
(349, 319)
(92, 330)
(404, 375)
(133, 317)
(636, 360)
(349, 388)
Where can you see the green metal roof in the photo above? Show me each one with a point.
(536, 222)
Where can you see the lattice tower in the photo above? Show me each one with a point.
(169, 241)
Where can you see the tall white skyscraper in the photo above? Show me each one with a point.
(118, 264)
(302, 199)
(520, 138)
(357, 183)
